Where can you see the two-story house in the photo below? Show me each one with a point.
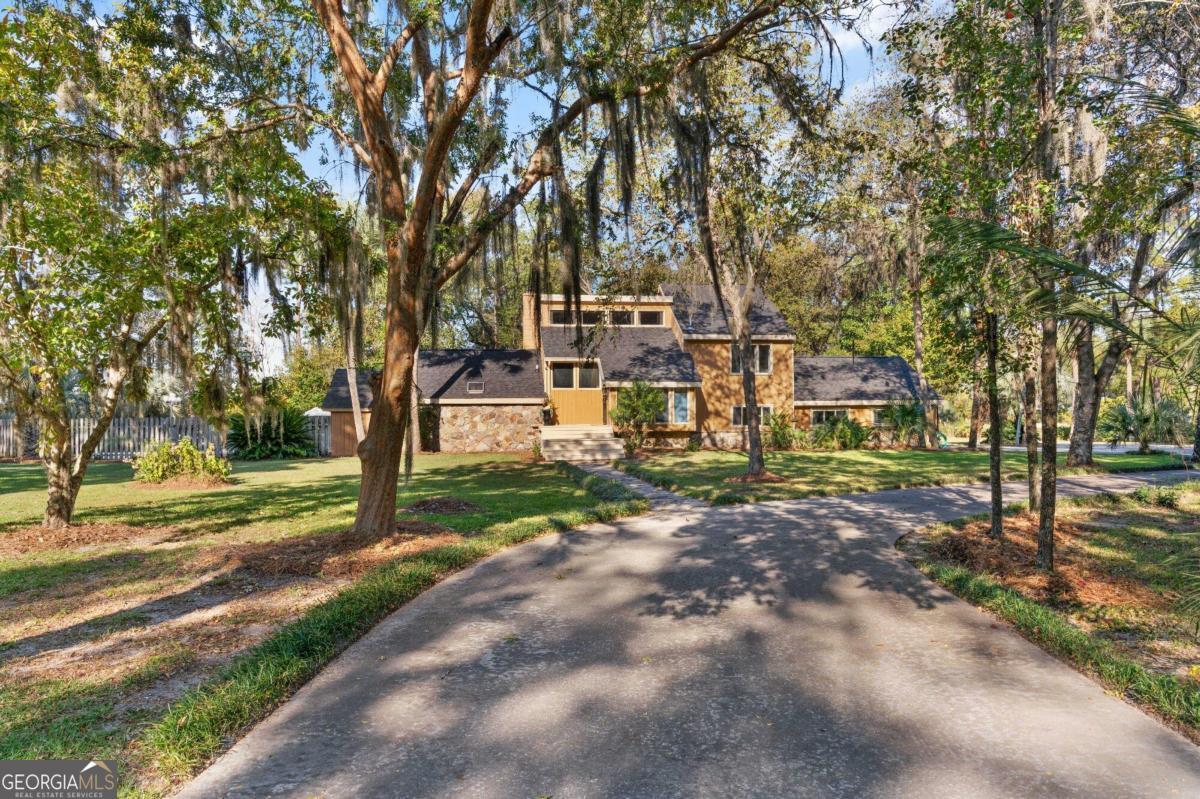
(561, 387)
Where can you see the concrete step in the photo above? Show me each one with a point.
(576, 431)
(592, 449)
(594, 446)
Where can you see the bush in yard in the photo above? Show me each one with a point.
(780, 431)
(1145, 423)
(905, 421)
(840, 433)
(637, 408)
(181, 460)
(281, 433)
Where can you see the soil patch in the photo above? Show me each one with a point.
(340, 555)
(762, 477)
(36, 538)
(1078, 577)
(442, 505)
(187, 483)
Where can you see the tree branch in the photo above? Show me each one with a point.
(393, 52)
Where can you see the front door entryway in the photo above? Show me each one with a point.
(575, 392)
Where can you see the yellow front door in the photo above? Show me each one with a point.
(575, 392)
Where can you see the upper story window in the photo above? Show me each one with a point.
(650, 318)
(621, 317)
(474, 386)
(564, 316)
(760, 358)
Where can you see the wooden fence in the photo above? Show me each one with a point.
(127, 436)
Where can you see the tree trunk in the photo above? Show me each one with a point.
(382, 450)
(1129, 394)
(995, 424)
(919, 362)
(1045, 550)
(1083, 409)
(976, 407)
(915, 257)
(1030, 422)
(755, 464)
(1196, 437)
(1045, 29)
(62, 483)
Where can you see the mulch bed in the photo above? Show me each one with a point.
(36, 538)
(188, 483)
(1077, 577)
(340, 555)
(443, 506)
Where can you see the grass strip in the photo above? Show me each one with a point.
(201, 723)
(1172, 698)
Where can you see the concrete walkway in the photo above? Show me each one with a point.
(772, 650)
(661, 500)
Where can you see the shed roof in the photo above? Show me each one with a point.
(870, 379)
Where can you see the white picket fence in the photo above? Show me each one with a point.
(127, 437)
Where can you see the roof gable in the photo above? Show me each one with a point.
(454, 374)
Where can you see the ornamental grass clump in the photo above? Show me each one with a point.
(181, 461)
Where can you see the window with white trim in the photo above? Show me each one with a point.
(650, 318)
(560, 316)
(621, 318)
(760, 358)
(589, 375)
(680, 402)
(739, 415)
(474, 386)
(828, 415)
(562, 375)
(591, 318)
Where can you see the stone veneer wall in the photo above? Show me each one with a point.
(486, 428)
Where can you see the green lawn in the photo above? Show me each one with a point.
(156, 645)
(808, 473)
(1113, 606)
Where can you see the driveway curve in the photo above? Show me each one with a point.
(775, 650)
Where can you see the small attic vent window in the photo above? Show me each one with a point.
(474, 386)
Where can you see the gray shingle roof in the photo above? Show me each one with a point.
(698, 314)
(626, 353)
(854, 379)
(444, 374)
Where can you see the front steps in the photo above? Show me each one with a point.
(581, 442)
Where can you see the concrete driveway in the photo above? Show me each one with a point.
(773, 650)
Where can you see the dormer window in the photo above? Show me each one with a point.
(590, 318)
(621, 318)
(650, 318)
(474, 386)
(560, 316)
